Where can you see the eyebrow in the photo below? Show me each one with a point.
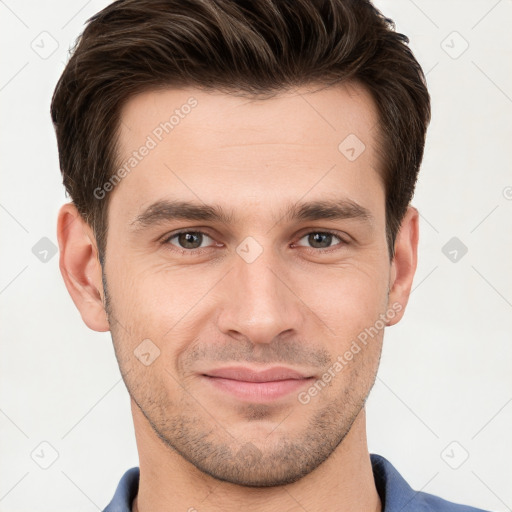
(167, 210)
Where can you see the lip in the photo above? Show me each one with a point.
(257, 386)
(243, 373)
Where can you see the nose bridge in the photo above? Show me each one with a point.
(258, 303)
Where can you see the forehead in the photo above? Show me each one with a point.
(208, 145)
(308, 113)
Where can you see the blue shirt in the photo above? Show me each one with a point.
(395, 493)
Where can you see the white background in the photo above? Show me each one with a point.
(445, 374)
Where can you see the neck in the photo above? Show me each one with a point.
(342, 483)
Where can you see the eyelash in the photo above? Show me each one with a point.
(199, 251)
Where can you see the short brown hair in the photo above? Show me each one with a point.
(256, 48)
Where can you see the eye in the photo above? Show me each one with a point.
(322, 239)
(188, 239)
(194, 241)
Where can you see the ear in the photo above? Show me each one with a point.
(403, 266)
(80, 267)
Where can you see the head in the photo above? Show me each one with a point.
(241, 177)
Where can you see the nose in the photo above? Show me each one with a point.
(259, 301)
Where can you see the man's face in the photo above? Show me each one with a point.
(255, 289)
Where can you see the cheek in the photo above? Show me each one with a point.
(135, 301)
(348, 299)
(160, 303)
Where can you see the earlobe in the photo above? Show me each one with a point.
(403, 266)
(80, 267)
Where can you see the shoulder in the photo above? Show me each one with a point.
(397, 495)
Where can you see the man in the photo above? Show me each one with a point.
(241, 176)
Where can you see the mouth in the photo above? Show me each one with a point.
(257, 386)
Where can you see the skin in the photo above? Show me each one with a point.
(295, 305)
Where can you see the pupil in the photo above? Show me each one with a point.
(316, 238)
(188, 240)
